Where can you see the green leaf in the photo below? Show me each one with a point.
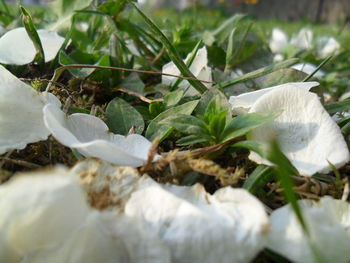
(133, 83)
(187, 124)
(223, 31)
(258, 178)
(121, 117)
(77, 57)
(242, 124)
(192, 139)
(65, 9)
(172, 52)
(173, 98)
(157, 130)
(33, 35)
(156, 108)
(338, 106)
(208, 96)
(235, 46)
(65, 59)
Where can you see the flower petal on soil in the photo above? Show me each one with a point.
(305, 132)
(21, 113)
(229, 226)
(327, 46)
(278, 41)
(199, 69)
(243, 102)
(16, 48)
(328, 222)
(90, 136)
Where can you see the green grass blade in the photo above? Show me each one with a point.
(172, 52)
(33, 35)
(318, 68)
(258, 73)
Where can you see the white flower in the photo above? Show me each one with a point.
(199, 69)
(305, 132)
(38, 211)
(303, 40)
(90, 136)
(107, 186)
(279, 41)
(242, 103)
(21, 116)
(17, 48)
(308, 68)
(45, 218)
(327, 46)
(328, 222)
(229, 226)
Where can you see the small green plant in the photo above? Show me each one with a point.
(216, 125)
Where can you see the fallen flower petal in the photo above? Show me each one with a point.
(305, 132)
(243, 102)
(16, 48)
(328, 222)
(278, 41)
(308, 68)
(107, 237)
(107, 186)
(327, 46)
(36, 212)
(303, 40)
(21, 113)
(199, 69)
(229, 226)
(45, 218)
(90, 136)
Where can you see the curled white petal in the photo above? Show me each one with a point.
(327, 46)
(308, 68)
(108, 238)
(305, 132)
(90, 136)
(38, 211)
(328, 222)
(16, 48)
(243, 102)
(229, 226)
(278, 41)
(107, 186)
(21, 116)
(303, 40)
(199, 69)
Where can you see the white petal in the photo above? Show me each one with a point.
(328, 222)
(278, 57)
(279, 41)
(38, 211)
(17, 48)
(305, 132)
(327, 46)
(107, 187)
(308, 69)
(90, 136)
(228, 226)
(107, 238)
(303, 40)
(242, 103)
(199, 69)
(21, 116)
